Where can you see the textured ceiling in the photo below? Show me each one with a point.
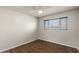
(47, 10)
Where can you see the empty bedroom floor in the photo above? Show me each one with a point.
(40, 46)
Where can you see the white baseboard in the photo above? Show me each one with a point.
(62, 44)
(29, 42)
(15, 46)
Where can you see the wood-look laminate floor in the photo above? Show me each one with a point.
(40, 46)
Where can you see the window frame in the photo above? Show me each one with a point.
(60, 19)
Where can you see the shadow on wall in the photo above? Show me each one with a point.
(16, 28)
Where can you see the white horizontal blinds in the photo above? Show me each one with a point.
(50, 24)
(54, 24)
(46, 24)
(64, 23)
(57, 24)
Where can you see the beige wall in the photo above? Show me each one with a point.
(16, 29)
(69, 37)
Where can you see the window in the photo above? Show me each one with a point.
(57, 23)
(46, 22)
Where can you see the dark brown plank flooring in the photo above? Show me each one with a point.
(40, 46)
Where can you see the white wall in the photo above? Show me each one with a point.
(69, 37)
(16, 29)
